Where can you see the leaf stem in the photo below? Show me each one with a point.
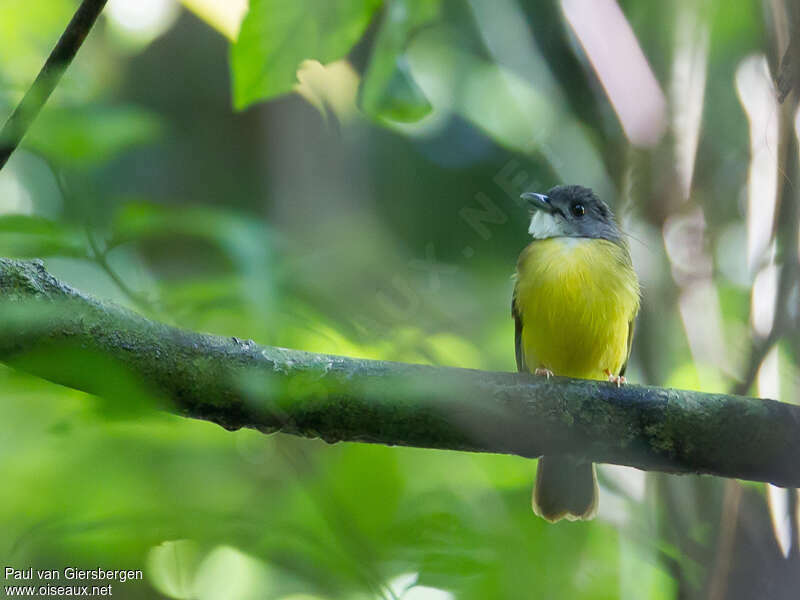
(100, 257)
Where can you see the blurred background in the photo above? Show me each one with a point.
(343, 176)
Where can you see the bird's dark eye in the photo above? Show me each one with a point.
(578, 210)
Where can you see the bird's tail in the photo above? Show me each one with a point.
(566, 488)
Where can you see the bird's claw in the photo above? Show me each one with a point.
(619, 380)
(542, 371)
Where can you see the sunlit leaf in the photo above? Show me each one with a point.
(327, 88)
(223, 15)
(277, 36)
(229, 574)
(172, 566)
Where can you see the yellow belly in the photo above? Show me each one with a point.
(576, 298)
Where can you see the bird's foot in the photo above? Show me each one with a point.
(542, 371)
(617, 379)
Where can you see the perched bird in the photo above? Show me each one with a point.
(575, 300)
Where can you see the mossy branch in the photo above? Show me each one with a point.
(240, 384)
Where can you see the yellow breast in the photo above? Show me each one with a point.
(576, 298)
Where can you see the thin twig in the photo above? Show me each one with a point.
(787, 73)
(100, 257)
(60, 58)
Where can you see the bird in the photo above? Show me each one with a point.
(575, 300)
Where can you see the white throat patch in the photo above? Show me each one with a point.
(544, 226)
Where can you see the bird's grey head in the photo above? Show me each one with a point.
(571, 211)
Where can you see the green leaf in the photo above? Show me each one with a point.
(24, 236)
(118, 393)
(241, 238)
(277, 36)
(244, 241)
(91, 136)
(388, 90)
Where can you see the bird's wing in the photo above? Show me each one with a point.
(517, 333)
(630, 343)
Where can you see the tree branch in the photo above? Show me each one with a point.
(240, 384)
(60, 58)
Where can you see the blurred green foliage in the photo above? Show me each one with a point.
(389, 90)
(387, 227)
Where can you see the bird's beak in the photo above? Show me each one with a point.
(538, 202)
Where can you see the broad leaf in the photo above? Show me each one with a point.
(277, 36)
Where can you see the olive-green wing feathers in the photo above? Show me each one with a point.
(517, 333)
(630, 343)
